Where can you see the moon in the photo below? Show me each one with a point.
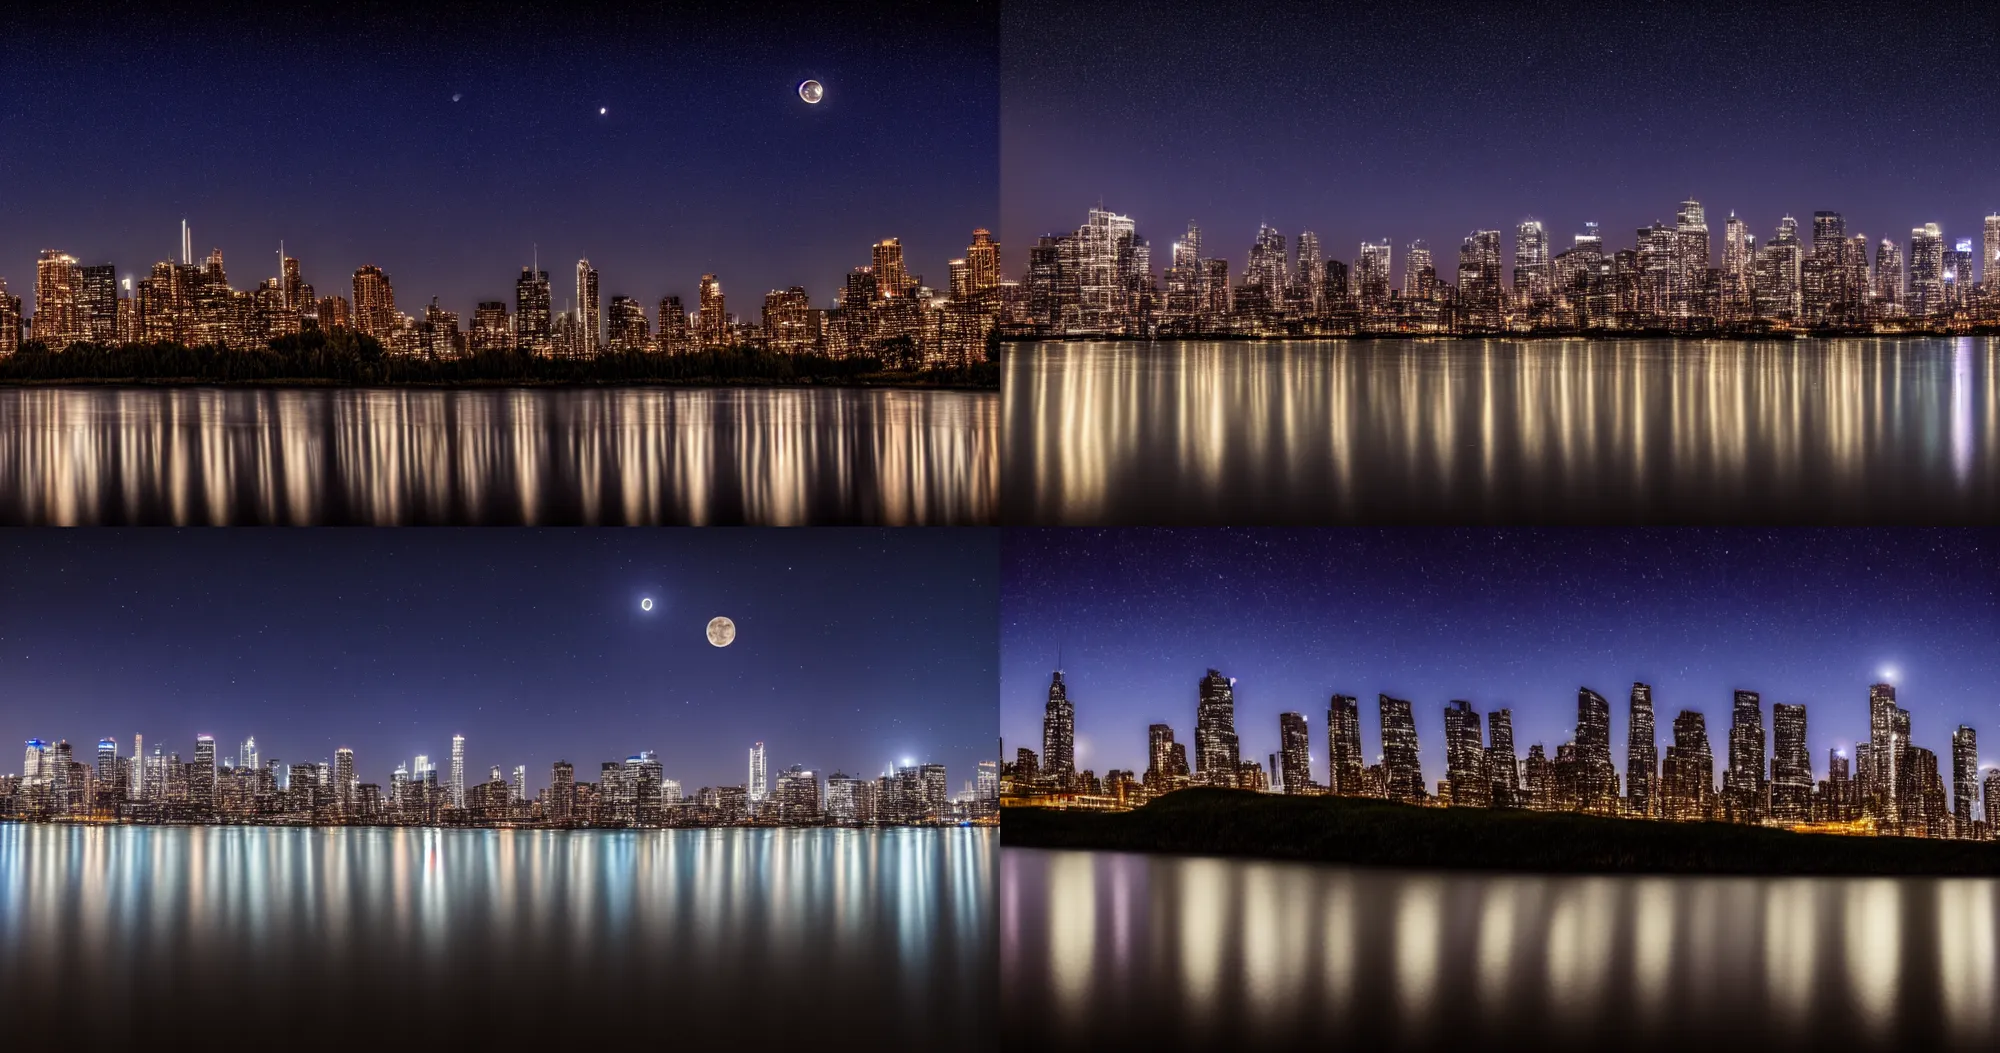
(455, 96)
(721, 631)
(812, 91)
(646, 604)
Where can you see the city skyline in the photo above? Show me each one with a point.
(1297, 617)
(533, 645)
(593, 136)
(1559, 112)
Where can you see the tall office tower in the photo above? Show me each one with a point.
(1690, 260)
(1503, 769)
(1267, 263)
(1532, 276)
(562, 790)
(1479, 281)
(1347, 769)
(374, 303)
(1402, 774)
(1311, 272)
(100, 303)
(532, 316)
(246, 754)
(201, 778)
(1465, 756)
(1184, 277)
(1888, 274)
(672, 336)
(1334, 291)
(627, 330)
(1739, 251)
(1419, 273)
(1642, 754)
(297, 294)
(789, 321)
(1371, 276)
(982, 262)
(1059, 731)
(1859, 284)
(1779, 291)
(343, 781)
(1658, 272)
(1215, 755)
(1791, 764)
(960, 273)
(10, 320)
(712, 322)
(457, 784)
(1743, 782)
(1990, 274)
(1595, 775)
(519, 792)
(589, 317)
(891, 279)
(1837, 800)
(60, 315)
(1688, 778)
(1295, 753)
(1992, 803)
(1926, 271)
(1878, 772)
(492, 329)
(1958, 282)
(1110, 260)
(135, 789)
(1824, 278)
(756, 787)
(107, 765)
(1964, 777)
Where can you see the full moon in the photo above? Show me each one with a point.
(812, 91)
(646, 604)
(721, 631)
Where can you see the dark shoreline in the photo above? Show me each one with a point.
(1362, 832)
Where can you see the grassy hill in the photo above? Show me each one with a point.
(1380, 833)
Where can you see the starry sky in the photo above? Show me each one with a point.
(1430, 120)
(856, 649)
(1514, 619)
(332, 127)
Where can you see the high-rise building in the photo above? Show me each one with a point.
(1990, 275)
(1215, 754)
(1371, 277)
(1346, 766)
(1479, 289)
(135, 789)
(1926, 271)
(627, 329)
(1294, 753)
(673, 332)
(100, 303)
(790, 323)
(107, 766)
(374, 303)
(532, 314)
(712, 323)
(1958, 283)
(1743, 782)
(1879, 772)
(982, 263)
(590, 319)
(246, 754)
(1532, 276)
(457, 785)
(492, 328)
(756, 786)
(1691, 255)
(1465, 756)
(1419, 273)
(1687, 784)
(344, 782)
(1595, 774)
(1791, 764)
(1642, 754)
(1739, 254)
(1310, 273)
(562, 791)
(1889, 274)
(1503, 767)
(1402, 774)
(1991, 800)
(1058, 731)
(61, 317)
(891, 279)
(201, 778)
(1964, 777)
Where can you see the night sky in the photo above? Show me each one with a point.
(1418, 120)
(856, 649)
(1505, 619)
(333, 128)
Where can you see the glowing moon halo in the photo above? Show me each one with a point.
(646, 604)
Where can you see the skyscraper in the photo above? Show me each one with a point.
(1346, 767)
(1503, 767)
(136, 788)
(712, 320)
(1990, 269)
(100, 304)
(60, 315)
(1059, 731)
(1295, 753)
(562, 790)
(1743, 782)
(343, 781)
(1791, 764)
(756, 786)
(1878, 774)
(1739, 253)
(1479, 278)
(1465, 756)
(982, 262)
(107, 766)
(1310, 273)
(891, 280)
(201, 778)
(374, 303)
(1419, 273)
(1642, 757)
(457, 785)
(531, 311)
(246, 754)
(1691, 255)
(1401, 771)
(1371, 276)
(1964, 777)
(1688, 777)
(1926, 271)
(1888, 274)
(590, 319)
(1595, 774)
(1215, 753)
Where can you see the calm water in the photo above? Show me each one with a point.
(1500, 431)
(1102, 950)
(779, 456)
(376, 939)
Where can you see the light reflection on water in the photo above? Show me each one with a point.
(1240, 433)
(1103, 950)
(125, 932)
(296, 457)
